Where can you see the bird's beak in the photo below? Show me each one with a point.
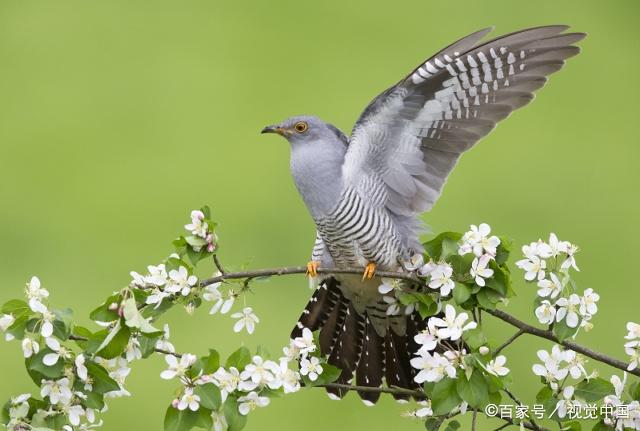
(274, 129)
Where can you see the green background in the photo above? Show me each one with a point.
(118, 117)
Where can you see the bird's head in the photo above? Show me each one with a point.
(303, 129)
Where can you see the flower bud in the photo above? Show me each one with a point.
(483, 350)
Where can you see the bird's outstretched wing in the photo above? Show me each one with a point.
(408, 139)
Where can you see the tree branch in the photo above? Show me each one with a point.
(524, 327)
(511, 339)
(542, 333)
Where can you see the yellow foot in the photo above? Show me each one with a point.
(312, 268)
(369, 271)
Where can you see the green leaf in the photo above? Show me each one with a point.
(544, 394)
(502, 253)
(102, 382)
(461, 293)
(235, 421)
(600, 426)
(35, 363)
(179, 420)
(211, 362)
(500, 280)
(444, 397)
(15, 307)
(452, 426)
(19, 326)
(209, 396)
(110, 343)
(94, 400)
(474, 391)
(62, 323)
(474, 338)
(239, 359)
(103, 314)
(571, 426)
(134, 319)
(594, 389)
(443, 245)
(329, 374)
(204, 420)
(634, 391)
(563, 331)
(433, 424)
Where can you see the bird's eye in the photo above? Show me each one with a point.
(301, 127)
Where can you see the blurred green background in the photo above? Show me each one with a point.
(118, 117)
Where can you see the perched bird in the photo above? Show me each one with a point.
(366, 192)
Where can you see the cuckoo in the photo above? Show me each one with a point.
(366, 192)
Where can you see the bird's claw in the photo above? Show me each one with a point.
(312, 268)
(369, 271)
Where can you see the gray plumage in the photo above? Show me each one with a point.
(366, 192)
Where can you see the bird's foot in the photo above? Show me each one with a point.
(369, 271)
(312, 268)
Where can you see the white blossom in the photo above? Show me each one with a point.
(389, 285)
(30, 347)
(546, 312)
(6, 320)
(35, 293)
(227, 381)
(257, 373)
(74, 413)
(478, 241)
(566, 404)
(58, 391)
(551, 287)
(219, 421)
(132, 351)
(250, 402)
(189, 400)
(393, 306)
(81, 369)
(180, 281)
(479, 270)
(246, 319)
(305, 343)
(58, 351)
(177, 367)
(570, 261)
(533, 266)
(634, 331)
(163, 343)
(634, 358)
(575, 364)
(311, 367)
(156, 297)
(426, 269)
(432, 367)
(212, 294)
(157, 275)
(551, 368)
(441, 278)
(19, 406)
(285, 377)
(452, 326)
(426, 339)
(496, 366)
(198, 226)
(588, 306)
(416, 261)
(569, 307)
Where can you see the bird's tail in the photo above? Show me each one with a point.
(350, 342)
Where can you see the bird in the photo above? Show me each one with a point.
(366, 192)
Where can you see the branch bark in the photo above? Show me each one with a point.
(506, 317)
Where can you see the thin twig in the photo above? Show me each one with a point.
(509, 341)
(216, 262)
(473, 420)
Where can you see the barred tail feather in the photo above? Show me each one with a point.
(350, 342)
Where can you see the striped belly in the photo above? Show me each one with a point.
(357, 233)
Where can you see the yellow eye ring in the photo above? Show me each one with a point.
(301, 127)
